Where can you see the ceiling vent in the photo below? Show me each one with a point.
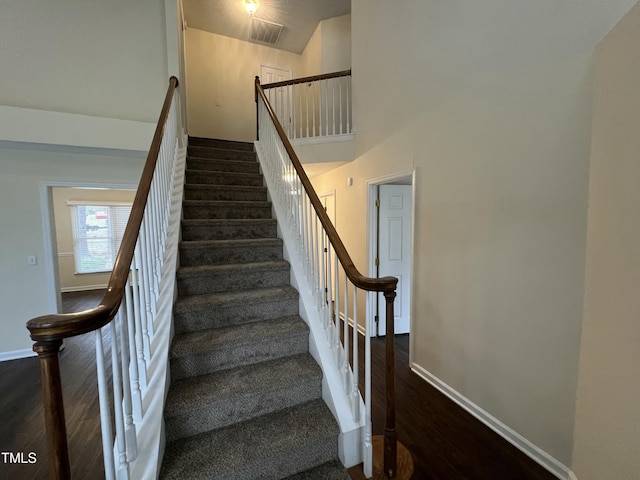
(264, 32)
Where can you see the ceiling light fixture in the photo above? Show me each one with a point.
(251, 6)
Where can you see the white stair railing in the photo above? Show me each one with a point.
(132, 323)
(337, 292)
(317, 106)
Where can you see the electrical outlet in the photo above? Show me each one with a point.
(32, 260)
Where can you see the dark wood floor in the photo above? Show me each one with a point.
(446, 442)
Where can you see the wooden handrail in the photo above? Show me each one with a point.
(47, 328)
(390, 447)
(384, 284)
(48, 331)
(314, 78)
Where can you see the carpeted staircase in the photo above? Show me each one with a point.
(245, 398)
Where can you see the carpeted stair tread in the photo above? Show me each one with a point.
(194, 343)
(223, 178)
(197, 191)
(199, 312)
(206, 351)
(216, 165)
(206, 402)
(221, 153)
(327, 471)
(215, 252)
(195, 229)
(226, 209)
(271, 446)
(236, 298)
(204, 279)
(218, 143)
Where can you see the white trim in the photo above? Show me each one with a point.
(82, 288)
(97, 203)
(30, 125)
(16, 354)
(372, 214)
(344, 137)
(535, 453)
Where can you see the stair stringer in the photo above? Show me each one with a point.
(333, 392)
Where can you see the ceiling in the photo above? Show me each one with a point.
(299, 17)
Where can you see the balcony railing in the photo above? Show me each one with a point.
(318, 106)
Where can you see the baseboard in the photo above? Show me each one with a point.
(82, 288)
(537, 454)
(16, 354)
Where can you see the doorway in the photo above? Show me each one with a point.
(391, 219)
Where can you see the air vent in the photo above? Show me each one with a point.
(265, 32)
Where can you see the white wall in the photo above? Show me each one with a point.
(222, 70)
(329, 48)
(607, 434)
(104, 59)
(25, 290)
(491, 104)
(336, 44)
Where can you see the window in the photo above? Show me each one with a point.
(97, 233)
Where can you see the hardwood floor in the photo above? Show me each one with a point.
(446, 442)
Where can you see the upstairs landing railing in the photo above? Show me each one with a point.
(310, 107)
(339, 289)
(127, 317)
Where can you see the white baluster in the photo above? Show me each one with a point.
(145, 289)
(348, 104)
(105, 415)
(333, 105)
(368, 443)
(340, 91)
(136, 393)
(131, 443)
(313, 108)
(326, 106)
(138, 305)
(355, 393)
(122, 465)
(345, 331)
(336, 318)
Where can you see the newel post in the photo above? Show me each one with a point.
(256, 85)
(53, 409)
(390, 437)
(396, 459)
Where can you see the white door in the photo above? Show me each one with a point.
(394, 252)
(278, 97)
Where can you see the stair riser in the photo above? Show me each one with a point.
(200, 317)
(226, 144)
(228, 254)
(194, 163)
(228, 232)
(215, 192)
(215, 178)
(224, 211)
(221, 414)
(232, 281)
(221, 154)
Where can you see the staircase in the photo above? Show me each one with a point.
(245, 398)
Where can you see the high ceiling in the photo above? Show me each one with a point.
(299, 17)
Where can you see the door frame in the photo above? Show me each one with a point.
(372, 240)
(51, 268)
